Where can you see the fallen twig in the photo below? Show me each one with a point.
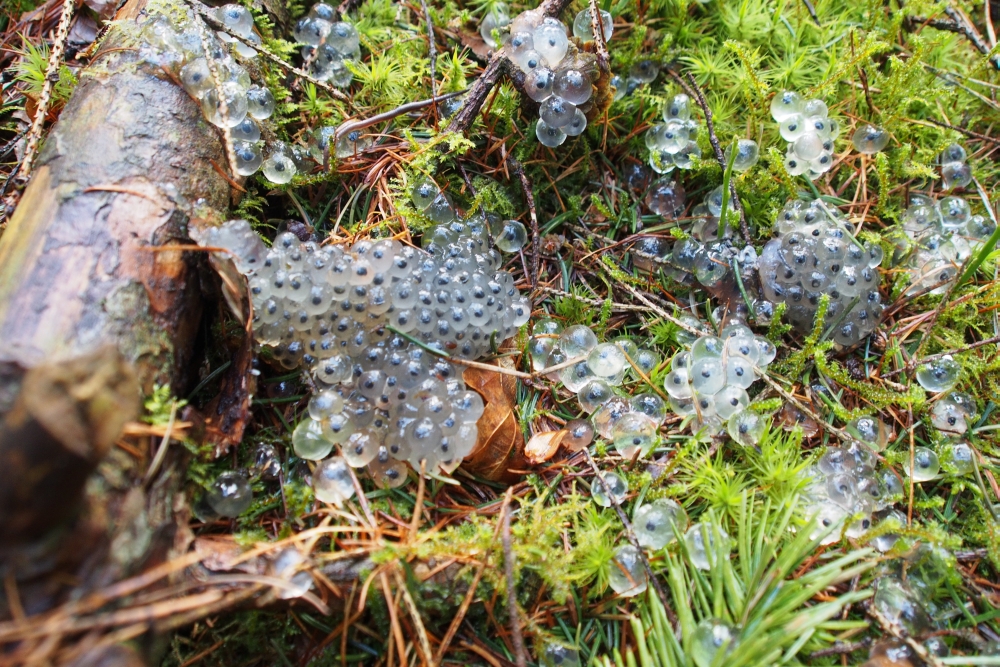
(518, 170)
(516, 638)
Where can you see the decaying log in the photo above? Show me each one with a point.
(91, 261)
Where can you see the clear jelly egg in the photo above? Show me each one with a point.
(593, 394)
(550, 40)
(577, 125)
(938, 375)
(229, 495)
(708, 376)
(248, 158)
(557, 112)
(746, 428)
(512, 237)
(712, 637)
(701, 541)
(656, 524)
(579, 434)
(957, 458)
(650, 405)
(310, 441)
(583, 28)
(332, 481)
(747, 154)
(644, 71)
(678, 384)
(494, 20)
(548, 135)
(572, 85)
(577, 340)
(225, 105)
(606, 360)
(538, 84)
(260, 102)
(279, 168)
(247, 131)
(785, 104)
(925, 465)
(616, 485)
(560, 655)
(627, 573)
(634, 433)
(869, 139)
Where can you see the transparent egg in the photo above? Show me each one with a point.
(707, 347)
(747, 154)
(310, 441)
(897, 602)
(785, 104)
(538, 84)
(560, 655)
(644, 71)
(870, 139)
(925, 465)
(512, 237)
(634, 433)
(248, 158)
(494, 20)
(247, 131)
(746, 428)
(577, 125)
(712, 637)
(579, 434)
(225, 105)
(279, 168)
(573, 85)
(708, 376)
(351, 143)
(576, 375)
(627, 573)
(583, 27)
(197, 79)
(229, 495)
(938, 375)
(606, 360)
(650, 405)
(655, 523)
(557, 112)
(423, 192)
(730, 400)
(957, 458)
(616, 485)
(666, 198)
(260, 102)
(332, 482)
(593, 394)
(551, 42)
(678, 384)
(704, 544)
(548, 135)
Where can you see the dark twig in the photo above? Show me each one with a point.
(389, 115)
(958, 26)
(51, 78)
(690, 86)
(603, 58)
(970, 133)
(431, 49)
(516, 638)
(536, 242)
(630, 535)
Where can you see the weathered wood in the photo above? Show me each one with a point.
(126, 171)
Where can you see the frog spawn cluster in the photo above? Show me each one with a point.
(592, 370)
(844, 488)
(813, 254)
(672, 144)
(328, 45)
(204, 65)
(709, 382)
(349, 315)
(809, 131)
(934, 238)
(561, 81)
(704, 254)
(955, 171)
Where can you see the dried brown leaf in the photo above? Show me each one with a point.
(500, 448)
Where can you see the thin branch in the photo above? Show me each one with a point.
(362, 123)
(597, 26)
(970, 133)
(51, 78)
(536, 241)
(958, 26)
(516, 637)
(690, 86)
(941, 355)
(812, 12)
(431, 48)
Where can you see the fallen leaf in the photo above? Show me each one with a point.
(500, 447)
(543, 446)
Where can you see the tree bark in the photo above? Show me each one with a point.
(89, 261)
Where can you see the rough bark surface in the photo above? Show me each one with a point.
(91, 259)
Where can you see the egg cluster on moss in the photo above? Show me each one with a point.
(673, 143)
(557, 75)
(365, 320)
(708, 383)
(813, 254)
(810, 132)
(329, 45)
(934, 238)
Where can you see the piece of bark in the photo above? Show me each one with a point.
(90, 259)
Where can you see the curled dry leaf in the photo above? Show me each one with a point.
(500, 448)
(543, 446)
